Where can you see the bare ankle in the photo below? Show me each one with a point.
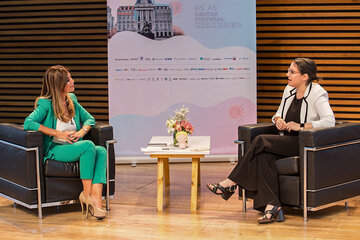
(97, 201)
(231, 182)
(227, 183)
(269, 207)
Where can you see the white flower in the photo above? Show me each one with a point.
(170, 123)
(171, 130)
(180, 115)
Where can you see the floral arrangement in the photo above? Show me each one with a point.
(179, 122)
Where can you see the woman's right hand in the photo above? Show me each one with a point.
(66, 136)
(280, 124)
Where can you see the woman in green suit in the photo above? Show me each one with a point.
(64, 122)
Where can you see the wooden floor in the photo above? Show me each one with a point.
(133, 214)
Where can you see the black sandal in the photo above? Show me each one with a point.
(277, 214)
(226, 193)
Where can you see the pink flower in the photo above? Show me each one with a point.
(183, 123)
(183, 126)
(188, 127)
(178, 127)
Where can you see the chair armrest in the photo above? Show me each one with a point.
(100, 133)
(331, 160)
(14, 133)
(248, 132)
(318, 137)
(18, 165)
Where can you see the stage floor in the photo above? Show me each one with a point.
(133, 213)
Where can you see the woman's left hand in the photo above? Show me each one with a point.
(75, 136)
(292, 126)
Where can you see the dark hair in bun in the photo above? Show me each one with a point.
(307, 66)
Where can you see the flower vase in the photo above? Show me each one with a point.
(180, 139)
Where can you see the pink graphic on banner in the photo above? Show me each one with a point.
(177, 7)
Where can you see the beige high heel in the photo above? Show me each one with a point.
(82, 199)
(94, 211)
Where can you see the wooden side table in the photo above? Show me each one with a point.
(199, 146)
(163, 177)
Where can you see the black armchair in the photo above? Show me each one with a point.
(327, 170)
(26, 180)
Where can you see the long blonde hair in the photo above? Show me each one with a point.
(55, 79)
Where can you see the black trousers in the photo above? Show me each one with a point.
(256, 171)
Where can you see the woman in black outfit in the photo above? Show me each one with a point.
(304, 105)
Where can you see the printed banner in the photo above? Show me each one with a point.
(167, 53)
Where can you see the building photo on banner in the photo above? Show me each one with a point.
(166, 54)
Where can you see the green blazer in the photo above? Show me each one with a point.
(44, 115)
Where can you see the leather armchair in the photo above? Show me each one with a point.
(326, 170)
(26, 180)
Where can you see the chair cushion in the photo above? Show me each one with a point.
(62, 189)
(288, 166)
(53, 168)
(289, 190)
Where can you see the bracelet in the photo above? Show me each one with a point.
(51, 132)
(302, 125)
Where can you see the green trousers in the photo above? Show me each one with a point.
(92, 158)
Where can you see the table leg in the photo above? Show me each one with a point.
(166, 172)
(198, 178)
(195, 166)
(160, 185)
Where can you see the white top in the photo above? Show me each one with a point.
(62, 127)
(315, 107)
(164, 145)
